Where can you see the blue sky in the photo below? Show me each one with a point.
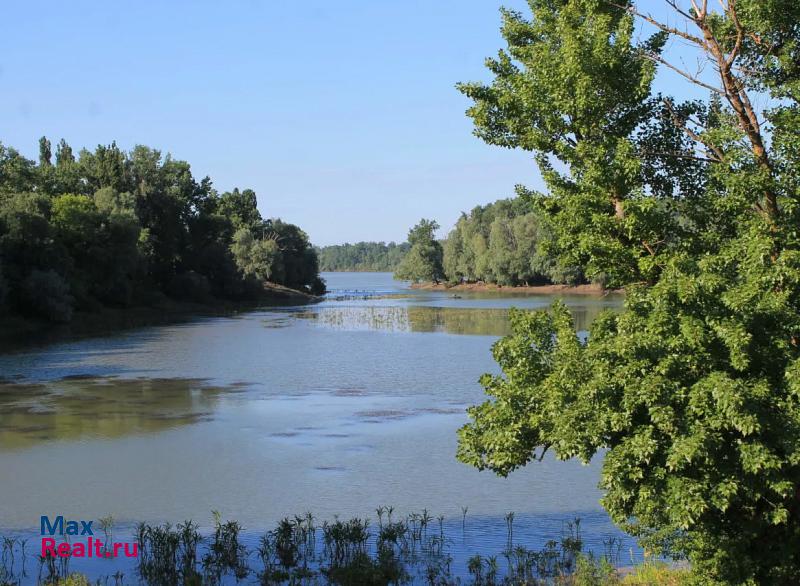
(342, 116)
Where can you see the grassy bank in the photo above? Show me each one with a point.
(18, 332)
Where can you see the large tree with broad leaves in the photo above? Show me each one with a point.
(692, 393)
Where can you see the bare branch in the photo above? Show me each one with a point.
(541, 455)
(679, 155)
(657, 24)
(679, 10)
(739, 31)
(694, 79)
(733, 89)
(700, 13)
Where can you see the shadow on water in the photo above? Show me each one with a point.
(92, 356)
(419, 318)
(81, 406)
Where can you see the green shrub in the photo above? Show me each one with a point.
(46, 294)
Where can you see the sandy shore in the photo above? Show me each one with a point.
(533, 289)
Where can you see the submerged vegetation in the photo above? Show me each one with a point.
(300, 550)
(109, 228)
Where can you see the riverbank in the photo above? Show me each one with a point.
(18, 332)
(481, 287)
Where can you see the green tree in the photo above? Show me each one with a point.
(111, 202)
(66, 177)
(300, 262)
(17, 174)
(99, 251)
(501, 252)
(120, 228)
(257, 258)
(64, 154)
(46, 294)
(362, 256)
(107, 166)
(3, 289)
(423, 233)
(452, 255)
(509, 242)
(573, 89)
(424, 260)
(25, 236)
(75, 219)
(692, 393)
(241, 208)
(45, 152)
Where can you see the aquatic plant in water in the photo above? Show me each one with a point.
(343, 552)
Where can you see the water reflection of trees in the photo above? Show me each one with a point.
(486, 322)
(76, 408)
(451, 320)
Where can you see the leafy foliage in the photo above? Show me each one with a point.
(573, 89)
(47, 294)
(505, 242)
(362, 256)
(423, 262)
(115, 228)
(256, 258)
(691, 394)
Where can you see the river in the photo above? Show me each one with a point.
(335, 408)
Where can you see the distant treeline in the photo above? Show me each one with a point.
(507, 242)
(362, 256)
(115, 228)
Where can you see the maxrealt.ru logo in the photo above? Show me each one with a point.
(85, 544)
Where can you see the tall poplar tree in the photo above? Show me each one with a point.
(692, 393)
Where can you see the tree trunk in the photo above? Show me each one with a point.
(619, 212)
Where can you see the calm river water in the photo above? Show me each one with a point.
(335, 408)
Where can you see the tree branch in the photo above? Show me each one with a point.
(679, 155)
(657, 24)
(694, 79)
(719, 155)
(733, 89)
(739, 31)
